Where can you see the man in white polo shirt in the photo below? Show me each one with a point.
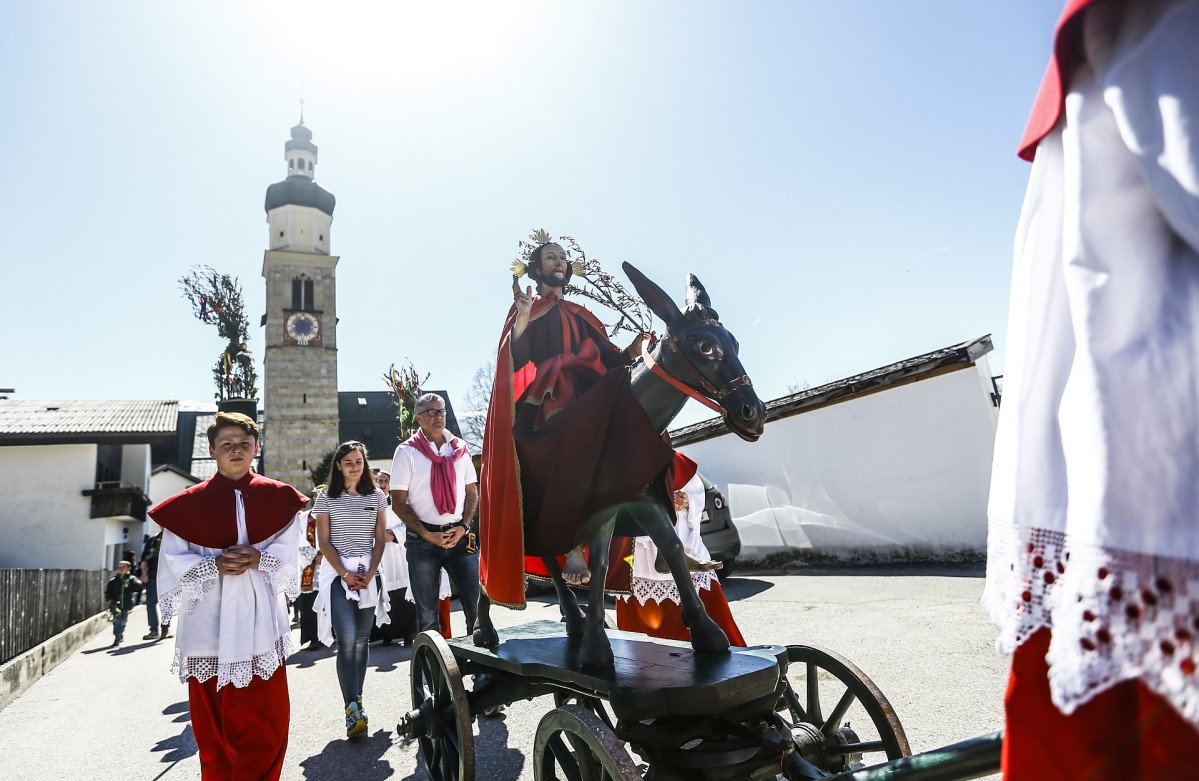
(434, 490)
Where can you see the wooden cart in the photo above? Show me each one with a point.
(666, 713)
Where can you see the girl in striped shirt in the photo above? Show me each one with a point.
(351, 521)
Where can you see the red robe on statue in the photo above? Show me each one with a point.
(565, 439)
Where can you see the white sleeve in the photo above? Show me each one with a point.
(401, 470)
(279, 562)
(184, 575)
(689, 523)
(395, 523)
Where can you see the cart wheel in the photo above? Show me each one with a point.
(593, 704)
(826, 738)
(572, 743)
(446, 736)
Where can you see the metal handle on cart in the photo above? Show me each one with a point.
(971, 758)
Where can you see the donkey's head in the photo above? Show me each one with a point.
(701, 354)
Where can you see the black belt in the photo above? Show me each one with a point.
(434, 527)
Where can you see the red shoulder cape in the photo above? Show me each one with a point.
(1047, 108)
(206, 513)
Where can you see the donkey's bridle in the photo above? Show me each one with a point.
(710, 392)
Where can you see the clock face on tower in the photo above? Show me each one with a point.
(302, 328)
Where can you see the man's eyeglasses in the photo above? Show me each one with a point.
(436, 413)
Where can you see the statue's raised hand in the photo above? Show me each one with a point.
(522, 299)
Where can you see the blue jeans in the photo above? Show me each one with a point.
(152, 605)
(118, 624)
(425, 562)
(352, 625)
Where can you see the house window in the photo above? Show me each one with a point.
(108, 463)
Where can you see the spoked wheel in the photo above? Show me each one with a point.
(839, 719)
(572, 744)
(593, 704)
(440, 719)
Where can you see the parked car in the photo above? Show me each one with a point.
(716, 529)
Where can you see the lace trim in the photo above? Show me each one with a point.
(661, 591)
(194, 584)
(277, 581)
(1115, 615)
(263, 666)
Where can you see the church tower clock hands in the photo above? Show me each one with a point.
(300, 362)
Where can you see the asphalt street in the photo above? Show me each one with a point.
(107, 713)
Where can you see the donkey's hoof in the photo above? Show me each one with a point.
(486, 637)
(596, 652)
(708, 638)
(575, 620)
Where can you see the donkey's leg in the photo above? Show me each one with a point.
(597, 649)
(706, 634)
(485, 635)
(568, 603)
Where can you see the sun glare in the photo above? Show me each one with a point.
(371, 45)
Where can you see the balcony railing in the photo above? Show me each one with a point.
(114, 498)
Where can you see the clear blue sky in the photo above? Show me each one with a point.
(840, 175)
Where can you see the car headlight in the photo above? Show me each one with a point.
(718, 502)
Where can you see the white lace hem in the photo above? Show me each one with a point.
(194, 584)
(1115, 615)
(277, 580)
(262, 665)
(645, 590)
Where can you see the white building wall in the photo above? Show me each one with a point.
(164, 485)
(44, 516)
(898, 473)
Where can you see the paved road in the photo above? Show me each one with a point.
(119, 714)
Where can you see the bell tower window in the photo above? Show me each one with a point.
(302, 294)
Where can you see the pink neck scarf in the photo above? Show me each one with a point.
(442, 477)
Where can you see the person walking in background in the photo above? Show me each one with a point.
(131, 557)
(1093, 546)
(653, 605)
(228, 560)
(119, 594)
(433, 489)
(149, 578)
(351, 528)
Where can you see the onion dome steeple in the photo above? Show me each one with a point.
(299, 188)
(288, 201)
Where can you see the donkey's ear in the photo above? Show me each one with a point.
(696, 293)
(654, 297)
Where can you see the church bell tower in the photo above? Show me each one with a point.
(300, 420)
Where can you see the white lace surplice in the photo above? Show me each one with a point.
(1094, 509)
(233, 627)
